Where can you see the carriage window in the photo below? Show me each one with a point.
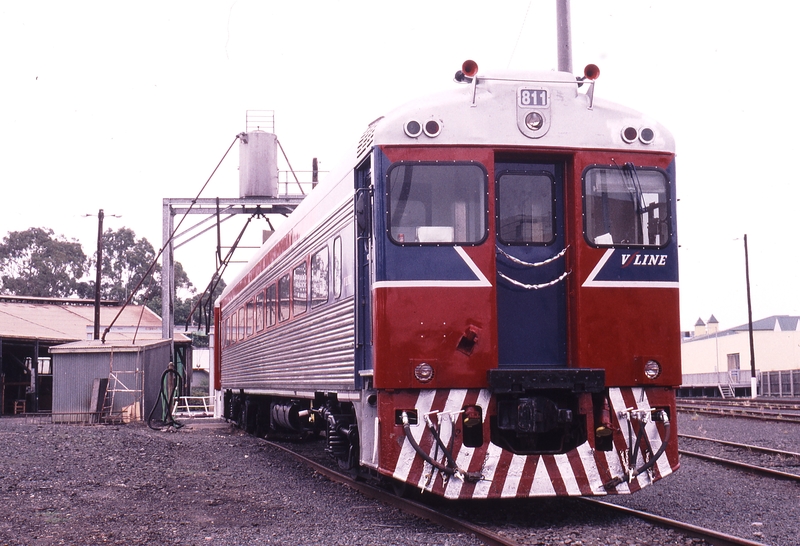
(525, 208)
(270, 308)
(259, 311)
(337, 267)
(437, 203)
(240, 333)
(250, 314)
(300, 292)
(284, 294)
(626, 206)
(226, 334)
(319, 278)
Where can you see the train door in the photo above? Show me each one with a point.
(531, 287)
(364, 270)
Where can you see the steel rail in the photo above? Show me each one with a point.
(743, 466)
(406, 505)
(750, 447)
(712, 537)
(743, 402)
(740, 412)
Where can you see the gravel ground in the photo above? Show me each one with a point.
(65, 484)
(207, 484)
(757, 508)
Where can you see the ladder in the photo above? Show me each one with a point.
(123, 398)
(727, 391)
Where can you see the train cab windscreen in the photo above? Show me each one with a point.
(626, 206)
(437, 203)
(525, 208)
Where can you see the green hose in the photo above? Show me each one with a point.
(166, 398)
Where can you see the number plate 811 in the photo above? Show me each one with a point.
(533, 98)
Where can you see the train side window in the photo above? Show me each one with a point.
(259, 311)
(226, 334)
(241, 323)
(270, 307)
(319, 278)
(250, 313)
(284, 295)
(626, 206)
(337, 267)
(525, 208)
(437, 203)
(300, 289)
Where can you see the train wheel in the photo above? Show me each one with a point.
(341, 438)
(249, 416)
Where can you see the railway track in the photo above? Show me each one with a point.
(406, 505)
(500, 537)
(708, 535)
(772, 457)
(785, 412)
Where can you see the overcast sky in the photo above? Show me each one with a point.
(117, 105)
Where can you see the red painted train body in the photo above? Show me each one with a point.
(484, 304)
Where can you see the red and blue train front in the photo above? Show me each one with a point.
(514, 351)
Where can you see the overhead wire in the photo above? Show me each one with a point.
(215, 278)
(166, 244)
(519, 36)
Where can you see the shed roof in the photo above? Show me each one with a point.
(781, 323)
(62, 320)
(775, 323)
(117, 346)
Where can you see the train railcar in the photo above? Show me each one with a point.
(483, 303)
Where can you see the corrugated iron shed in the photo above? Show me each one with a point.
(133, 371)
(30, 327)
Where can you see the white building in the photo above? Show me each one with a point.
(713, 357)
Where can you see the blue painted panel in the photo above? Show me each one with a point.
(532, 323)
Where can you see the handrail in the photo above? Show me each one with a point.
(190, 405)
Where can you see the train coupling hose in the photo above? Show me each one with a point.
(659, 415)
(453, 470)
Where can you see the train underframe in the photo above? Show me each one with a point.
(512, 440)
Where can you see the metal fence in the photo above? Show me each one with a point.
(730, 377)
(780, 383)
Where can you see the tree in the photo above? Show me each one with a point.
(126, 260)
(182, 285)
(34, 263)
(204, 309)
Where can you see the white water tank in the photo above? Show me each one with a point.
(258, 164)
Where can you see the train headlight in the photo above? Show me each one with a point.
(629, 134)
(652, 369)
(423, 372)
(413, 128)
(432, 128)
(534, 121)
(645, 135)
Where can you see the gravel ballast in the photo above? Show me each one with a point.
(209, 483)
(67, 484)
(706, 494)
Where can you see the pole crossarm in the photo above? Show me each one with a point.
(242, 205)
